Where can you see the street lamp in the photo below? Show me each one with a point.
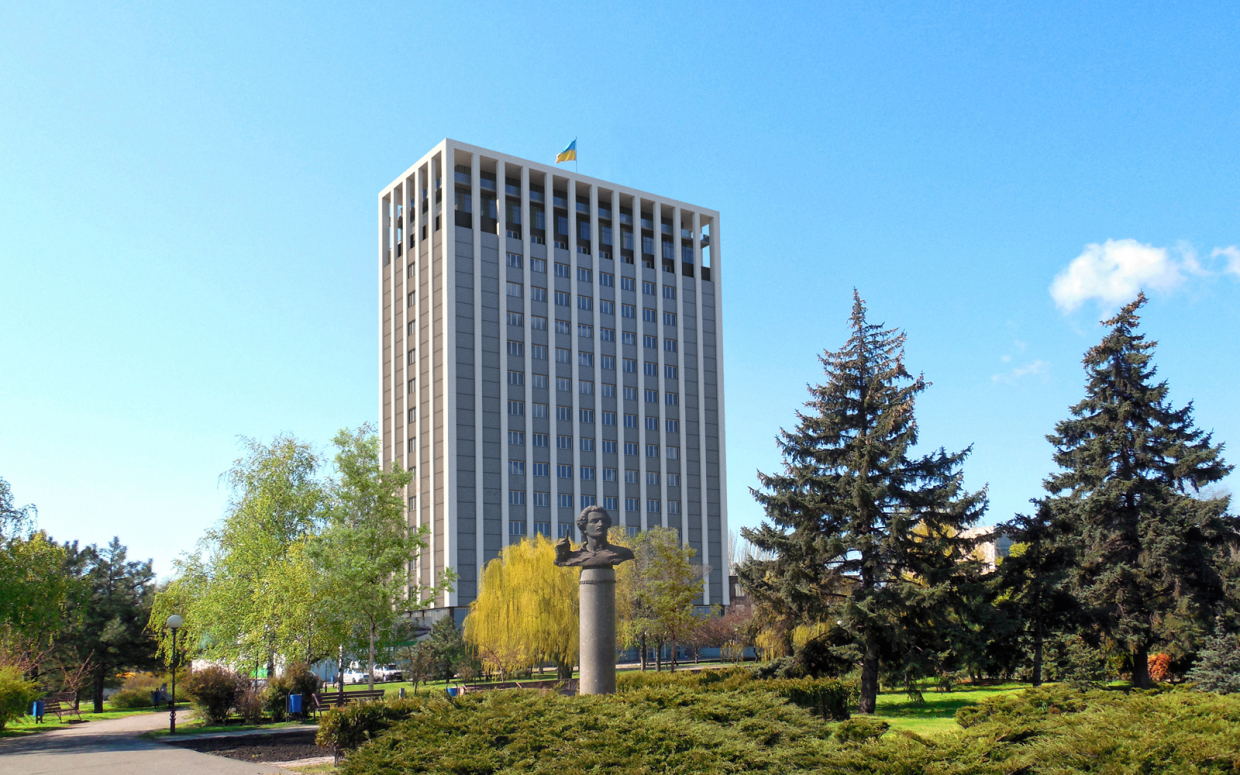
(174, 623)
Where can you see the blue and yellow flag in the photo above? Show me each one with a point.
(569, 153)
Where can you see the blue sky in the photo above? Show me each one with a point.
(187, 203)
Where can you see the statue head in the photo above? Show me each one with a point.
(594, 522)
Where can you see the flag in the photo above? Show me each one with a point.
(569, 153)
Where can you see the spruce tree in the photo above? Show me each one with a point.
(859, 529)
(1128, 490)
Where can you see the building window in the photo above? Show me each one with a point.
(585, 303)
(648, 288)
(561, 225)
(516, 468)
(563, 327)
(669, 372)
(542, 499)
(516, 348)
(540, 411)
(669, 292)
(540, 469)
(516, 437)
(673, 426)
(515, 318)
(586, 415)
(668, 251)
(564, 413)
(538, 265)
(561, 270)
(514, 260)
(606, 280)
(630, 394)
(516, 408)
(538, 323)
(583, 275)
(514, 290)
(627, 283)
(585, 388)
(606, 307)
(630, 421)
(412, 386)
(626, 238)
(542, 529)
(669, 318)
(585, 331)
(410, 445)
(587, 445)
(605, 234)
(652, 478)
(628, 311)
(587, 472)
(539, 381)
(538, 351)
(669, 345)
(652, 423)
(671, 399)
(563, 356)
(630, 365)
(651, 342)
(608, 362)
(587, 501)
(609, 502)
(565, 501)
(565, 529)
(673, 480)
(652, 450)
(609, 391)
(652, 369)
(564, 383)
(673, 507)
(540, 439)
(563, 299)
(538, 294)
(609, 418)
(629, 337)
(652, 506)
(632, 504)
(648, 315)
(607, 334)
(583, 230)
(673, 453)
(516, 498)
(585, 359)
(515, 528)
(564, 472)
(630, 477)
(609, 474)
(648, 245)
(630, 448)
(516, 378)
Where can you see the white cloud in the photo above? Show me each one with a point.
(1037, 368)
(1115, 271)
(1232, 254)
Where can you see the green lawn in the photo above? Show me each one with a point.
(199, 728)
(938, 712)
(27, 726)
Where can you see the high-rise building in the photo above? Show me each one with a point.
(549, 341)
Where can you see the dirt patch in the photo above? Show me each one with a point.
(274, 747)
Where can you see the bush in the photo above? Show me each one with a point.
(825, 697)
(16, 695)
(296, 679)
(214, 690)
(136, 691)
(860, 730)
(347, 727)
(249, 704)
(1218, 665)
(1159, 667)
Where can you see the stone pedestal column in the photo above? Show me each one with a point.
(598, 631)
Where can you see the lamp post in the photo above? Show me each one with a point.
(174, 623)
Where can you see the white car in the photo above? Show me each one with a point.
(388, 673)
(356, 675)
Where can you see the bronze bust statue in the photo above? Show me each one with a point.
(596, 552)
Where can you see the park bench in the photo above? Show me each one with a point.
(62, 704)
(325, 700)
(569, 687)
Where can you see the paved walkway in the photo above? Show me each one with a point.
(113, 747)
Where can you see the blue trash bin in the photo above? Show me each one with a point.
(453, 691)
(36, 710)
(294, 704)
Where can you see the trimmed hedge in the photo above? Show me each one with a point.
(825, 697)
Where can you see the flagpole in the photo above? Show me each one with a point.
(575, 170)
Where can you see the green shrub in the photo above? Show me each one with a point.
(1029, 705)
(825, 697)
(1218, 665)
(347, 727)
(249, 704)
(16, 695)
(296, 679)
(136, 691)
(214, 689)
(860, 730)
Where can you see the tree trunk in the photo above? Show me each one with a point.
(643, 649)
(340, 674)
(98, 691)
(869, 676)
(371, 677)
(1037, 656)
(672, 664)
(1141, 667)
(658, 657)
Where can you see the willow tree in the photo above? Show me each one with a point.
(526, 611)
(859, 528)
(1148, 544)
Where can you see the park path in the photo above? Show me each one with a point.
(113, 746)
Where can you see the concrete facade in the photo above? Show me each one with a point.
(548, 341)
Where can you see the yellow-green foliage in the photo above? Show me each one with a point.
(16, 694)
(526, 610)
(804, 633)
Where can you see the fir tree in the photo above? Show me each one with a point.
(1034, 578)
(1218, 665)
(859, 529)
(1131, 467)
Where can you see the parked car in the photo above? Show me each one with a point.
(356, 676)
(389, 673)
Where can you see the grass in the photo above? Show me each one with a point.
(26, 724)
(938, 713)
(200, 728)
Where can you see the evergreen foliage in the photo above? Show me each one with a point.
(1218, 665)
(861, 529)
(449, 651)
(1146, 569)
